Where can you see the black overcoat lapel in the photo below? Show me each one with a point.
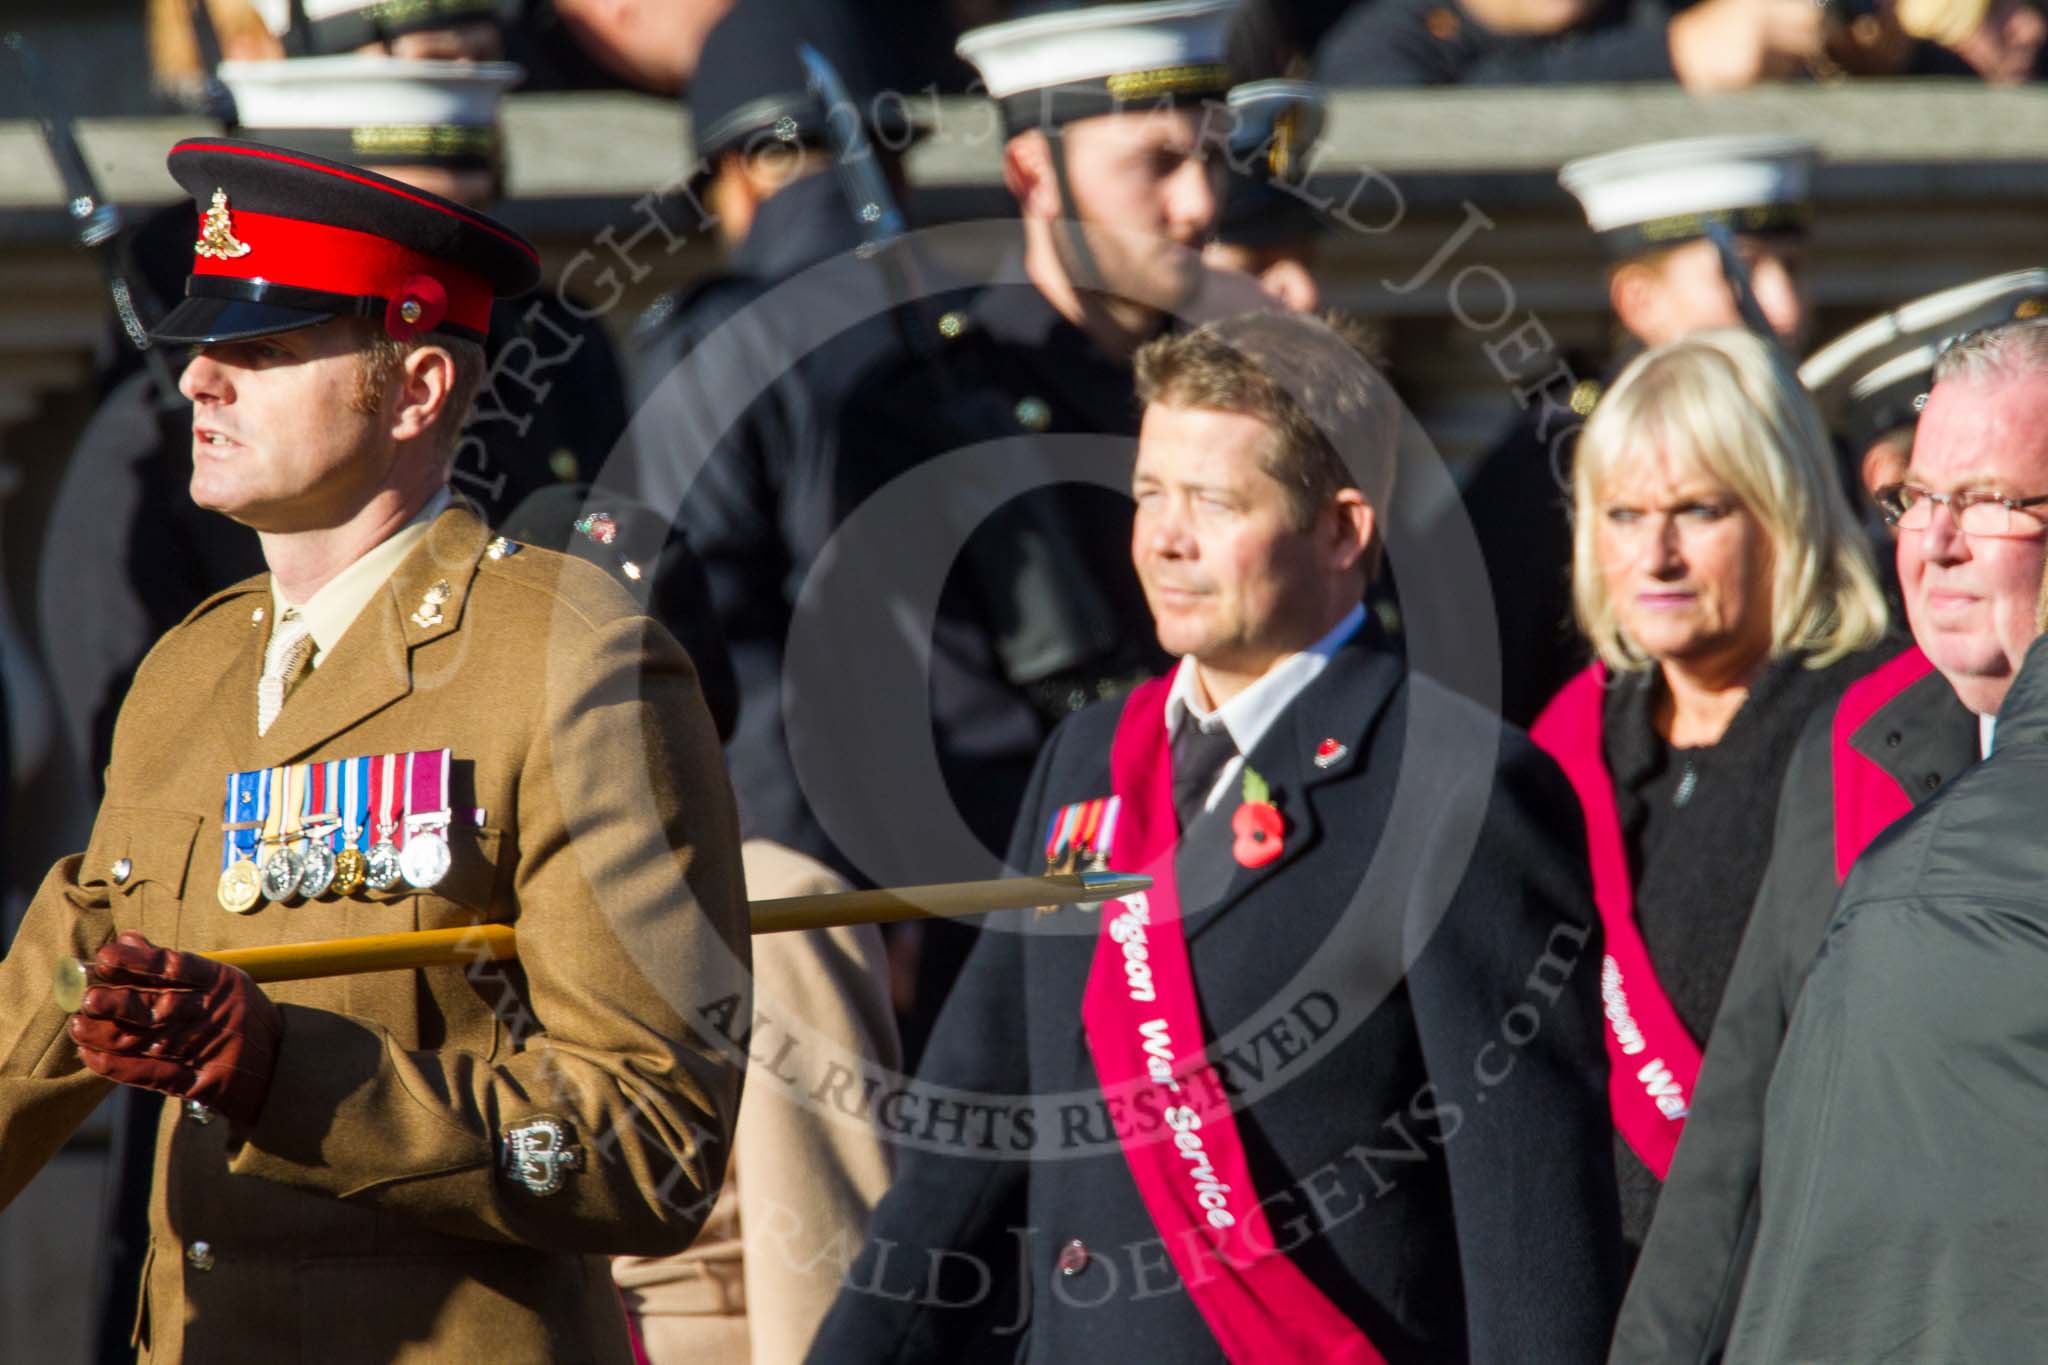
(1342, 704)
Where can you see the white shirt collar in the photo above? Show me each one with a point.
(1987, 726)
(1252, 712)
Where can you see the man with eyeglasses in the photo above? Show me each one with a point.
(1971, 514)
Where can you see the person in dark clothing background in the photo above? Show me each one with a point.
(758, 499)
(1721, 578)
(760, 495)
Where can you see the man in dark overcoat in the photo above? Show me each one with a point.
(1332, 1088)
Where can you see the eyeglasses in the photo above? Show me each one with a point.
(1910, 507)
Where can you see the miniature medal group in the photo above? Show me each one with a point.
(335, 829)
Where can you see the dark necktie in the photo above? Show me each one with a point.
(1198, 756)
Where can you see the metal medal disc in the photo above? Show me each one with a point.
(316, 871)
(281, 874)
(241, 887)
(425, 860)
(383, 871)
(351, 869)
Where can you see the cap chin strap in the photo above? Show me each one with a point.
(1083, 272)
(1078, 259)
(298, 32)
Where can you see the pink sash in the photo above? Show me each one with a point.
(1145, 1035)
(1867, 798)
(1653, 1060)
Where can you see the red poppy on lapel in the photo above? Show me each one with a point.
(1257, 824)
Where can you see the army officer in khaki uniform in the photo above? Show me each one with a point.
(405, 724)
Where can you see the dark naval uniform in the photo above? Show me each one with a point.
(1040, 612)
(1691, 1272)
(779, 335)
(1518, 499)
(1450, 1195)
(1043, 613)
(757, 500)
(518, 441)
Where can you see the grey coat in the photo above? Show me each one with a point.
(1903, 1160)
(1682, 1297)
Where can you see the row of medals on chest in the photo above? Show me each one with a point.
(300, 861)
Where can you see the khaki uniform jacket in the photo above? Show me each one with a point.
(367, 1216)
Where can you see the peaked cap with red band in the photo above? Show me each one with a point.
(289, 240)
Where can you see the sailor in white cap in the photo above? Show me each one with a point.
(433, 124)
(1655, 208)
(1102, 106)
(1872, 380)
(1658, 210)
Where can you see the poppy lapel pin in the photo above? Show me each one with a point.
(1257, 824)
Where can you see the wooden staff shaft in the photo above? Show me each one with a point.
(375, 953)
(944, 900)
(499, 942)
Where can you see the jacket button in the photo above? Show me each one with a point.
(1894, 740)
(122, 871)
(198, 1113)
(1931, 781)
(1073, 1258)
(199, 1255)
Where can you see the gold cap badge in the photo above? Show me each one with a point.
(217, 234)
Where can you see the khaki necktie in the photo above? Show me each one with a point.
(290, 649)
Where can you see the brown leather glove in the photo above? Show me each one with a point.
(179, 1023)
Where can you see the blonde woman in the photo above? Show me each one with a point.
(1728, 595)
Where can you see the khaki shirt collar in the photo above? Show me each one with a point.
(332, 610)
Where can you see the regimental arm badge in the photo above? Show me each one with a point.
(539, 1155)
(217, 234)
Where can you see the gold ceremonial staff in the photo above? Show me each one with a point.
(499, 942)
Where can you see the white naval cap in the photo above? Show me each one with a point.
(1874, 378)
(374, 110)
(1663, 193)
(1048, 69)
(1276, 126)
(328, 26)
(1280, 118)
